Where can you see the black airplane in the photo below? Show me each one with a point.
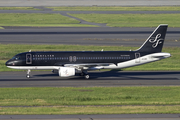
(69, 63)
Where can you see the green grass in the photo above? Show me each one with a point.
(20, 19)
(171, 63)
(117, 8)
(112, 20)
(35, 18)
(85, 100)
(53, 96)
(132, 20)
(1, 28)
(65, 110)
(51, 25)
(18, 8)
(39, 20)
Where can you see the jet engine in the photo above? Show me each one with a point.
(66, 71)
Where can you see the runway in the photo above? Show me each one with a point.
(50, 11)
(94, 117)
(85, 36)
(97, 78)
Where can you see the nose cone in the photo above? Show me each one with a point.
(9, 63)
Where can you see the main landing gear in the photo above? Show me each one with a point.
(28, 73)
(85, 74)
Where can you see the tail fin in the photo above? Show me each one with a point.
(155, 41)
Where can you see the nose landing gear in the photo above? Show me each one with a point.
(28, 73)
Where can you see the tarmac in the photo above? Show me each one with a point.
(93, 117)
(97, 79)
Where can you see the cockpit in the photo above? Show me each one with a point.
(16, 57)
(16, 60)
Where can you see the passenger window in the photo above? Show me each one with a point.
(70, 58)
(74, 58)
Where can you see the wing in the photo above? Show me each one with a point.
(89, 65)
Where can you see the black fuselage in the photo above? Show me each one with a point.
(61, 58)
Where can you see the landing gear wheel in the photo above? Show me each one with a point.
(86, 76)
(28, 73)
(28, 76)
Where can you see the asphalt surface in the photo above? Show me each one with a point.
(89, 2)
(97, 78)
(85, 36)
(44, 10)
(94, 117)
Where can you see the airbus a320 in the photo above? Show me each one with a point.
(70, 63)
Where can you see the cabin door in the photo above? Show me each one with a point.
(28, 58)
(137, 57)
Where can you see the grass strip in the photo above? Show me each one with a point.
(112, 20)
(18, 8)
(117, 8)
(64, 110)
(132, 20)
(54, 96)
(1, 28)
(39, 20)
(50, 25)
(34, 19)
(172, 63)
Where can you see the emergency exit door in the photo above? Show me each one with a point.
(137, 56)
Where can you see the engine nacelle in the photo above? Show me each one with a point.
(66, 71)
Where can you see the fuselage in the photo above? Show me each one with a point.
(61, 58)
(32, 60)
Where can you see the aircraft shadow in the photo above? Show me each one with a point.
(102, 75)
(116, 75)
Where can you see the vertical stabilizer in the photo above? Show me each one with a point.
(155, 41)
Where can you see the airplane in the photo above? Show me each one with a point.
(69, 63)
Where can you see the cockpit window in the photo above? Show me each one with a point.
(16, 58)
